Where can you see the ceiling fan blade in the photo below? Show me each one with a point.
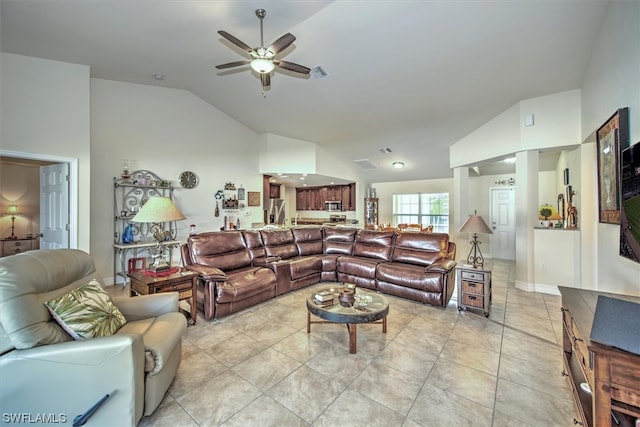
(292, 67)
(265, 78)
(236, 41)
(282, 43)
(232, 64)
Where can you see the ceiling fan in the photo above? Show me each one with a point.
(263, 60)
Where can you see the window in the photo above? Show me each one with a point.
(422, 208)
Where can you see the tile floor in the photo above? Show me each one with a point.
(434, 367)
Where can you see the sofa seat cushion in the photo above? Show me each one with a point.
(358, 266)
(410, 276)
(160, 336)
(245, 283)
(305, 266)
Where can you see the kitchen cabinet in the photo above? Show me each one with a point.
(314, 198)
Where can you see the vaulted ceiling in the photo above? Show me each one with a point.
(413, 76)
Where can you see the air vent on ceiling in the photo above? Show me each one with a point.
(365, 164)
(319, 72)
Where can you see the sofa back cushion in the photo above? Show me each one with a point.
(225, 250)
(253, 241)
(339, 240)
(27, 281)
(308, 240)
(279, 243)
(374, 244)
(420, 248)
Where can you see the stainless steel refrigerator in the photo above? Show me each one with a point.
(276, 211)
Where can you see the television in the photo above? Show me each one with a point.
(630, 203)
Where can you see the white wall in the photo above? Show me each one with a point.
(45, 111)
(612, 81)
(166, 131)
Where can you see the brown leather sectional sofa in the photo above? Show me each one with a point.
(239, 269)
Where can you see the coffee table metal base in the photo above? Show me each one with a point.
(351, 327)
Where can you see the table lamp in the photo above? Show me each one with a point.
(13, 211)
(158, 210)
(475, 224)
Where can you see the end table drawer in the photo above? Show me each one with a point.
(472, 287)
(473, 300)
(473, 276)
(178, 287)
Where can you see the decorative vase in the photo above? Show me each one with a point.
(127, 236)
(346, 297)
(217, 212)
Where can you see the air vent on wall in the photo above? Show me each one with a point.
(319, 72)
(365, 164)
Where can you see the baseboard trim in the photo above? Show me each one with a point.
(537, 287)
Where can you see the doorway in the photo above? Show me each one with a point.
(503, 223)
(67, 212)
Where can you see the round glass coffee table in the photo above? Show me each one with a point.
(369, 307)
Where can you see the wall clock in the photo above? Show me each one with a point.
(188, 179)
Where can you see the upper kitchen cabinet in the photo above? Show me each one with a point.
(316, 198)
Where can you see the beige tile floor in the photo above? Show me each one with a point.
(434, 367)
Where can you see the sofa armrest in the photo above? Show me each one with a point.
(441, 266)
(145, 306)
(264, 261)
(212, 274)
(66, 379)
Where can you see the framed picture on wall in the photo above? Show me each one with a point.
(253, 198)
(240, 193)
(611, 138)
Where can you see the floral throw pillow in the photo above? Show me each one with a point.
(86, 312)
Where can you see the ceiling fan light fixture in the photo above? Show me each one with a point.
(262, 65)
(398, 165)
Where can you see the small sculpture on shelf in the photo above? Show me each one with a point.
(572, 212)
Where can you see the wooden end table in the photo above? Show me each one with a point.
(183, 281)
(474, 286)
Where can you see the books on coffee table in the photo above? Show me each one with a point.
(323, 296)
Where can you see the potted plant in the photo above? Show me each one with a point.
(545, 212)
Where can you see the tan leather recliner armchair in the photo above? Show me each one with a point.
(45, 373)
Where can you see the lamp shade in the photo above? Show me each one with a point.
(13, 210)
(158, 209)
(475, 224)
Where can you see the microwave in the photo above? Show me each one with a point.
(332, 205)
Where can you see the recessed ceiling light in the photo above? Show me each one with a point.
(304, 174)
(398, 165)
(279, 173)
(158, 76)
(302, 177)
(385, 150)
(510, 160)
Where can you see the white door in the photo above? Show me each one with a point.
(503, 223)
(54, 206)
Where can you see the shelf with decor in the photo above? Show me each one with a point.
(370, 213)
(133, 239)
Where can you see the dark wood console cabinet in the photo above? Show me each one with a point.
(613, 375)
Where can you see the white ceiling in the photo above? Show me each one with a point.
(414, 76)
